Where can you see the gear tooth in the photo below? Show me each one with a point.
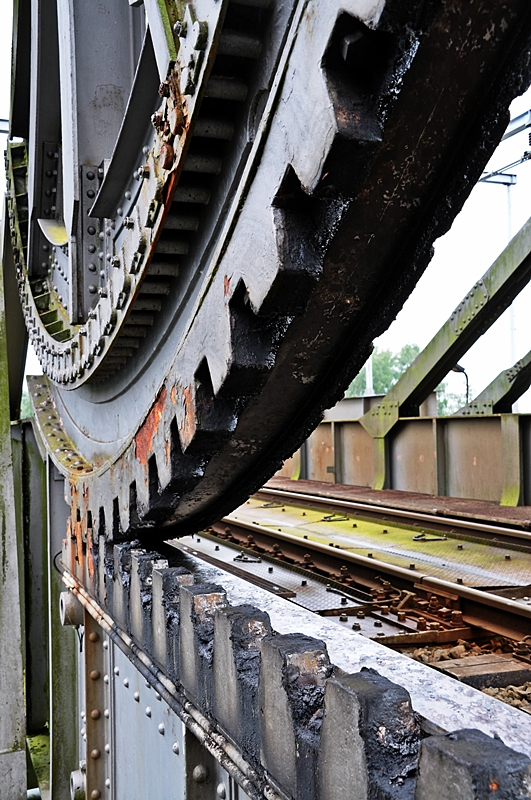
(214, 419)
(186, 469)
(135, 521)
(253, 340)
(117, 529)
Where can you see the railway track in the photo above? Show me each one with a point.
(479, 635)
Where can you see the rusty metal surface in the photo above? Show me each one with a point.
(355, 456)
(474, 455)
(412, 458)
(519, 517)
(295, 271)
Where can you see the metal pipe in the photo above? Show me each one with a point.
(204, 164)
(214, 129)
(226, 89)
(213, 741)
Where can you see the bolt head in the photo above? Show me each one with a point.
(200, 773)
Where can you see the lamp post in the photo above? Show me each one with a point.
(462, 370)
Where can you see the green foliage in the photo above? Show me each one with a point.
(387, 367)
(449, 402)
(25, 406)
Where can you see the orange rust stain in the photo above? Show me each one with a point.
(188, 424)
(90, 555)
(144, 437)
(168, 450)
(226, 284)
(173, 394)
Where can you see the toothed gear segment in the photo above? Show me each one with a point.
(207, 249)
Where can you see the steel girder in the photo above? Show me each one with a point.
(188, 352)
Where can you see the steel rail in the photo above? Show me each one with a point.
(499, 615)
(211, 739)
(419, 516)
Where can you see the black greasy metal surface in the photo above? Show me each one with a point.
(419, 104)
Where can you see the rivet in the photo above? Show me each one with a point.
(136, 697)
(106, 713)
(105, 645)
(126, 683)
(148, 711)
(175, 748)
(94, 674)
(91, 230)
(95, 794)
(92, 289)
(200, 773)
(91, 193)
(90, 176)
(119, 211)
(127, 195)
(95, 754)
(157, 696)
(117, 670)
(161, 729)
(108, 783)
(105, 679)
(94, 636)
(221, 791)
(95, 713)
(107, 748)
(92, 267)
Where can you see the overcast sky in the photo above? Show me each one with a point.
(477, 237)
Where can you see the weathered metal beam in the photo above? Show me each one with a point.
(12, 712)
(499, 396)
(63, 647)
(36, 580)
(480, 308)
(14, 333)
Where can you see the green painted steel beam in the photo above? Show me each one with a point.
(15, 333)
(480, 308)
(499, 396)
(12, 710)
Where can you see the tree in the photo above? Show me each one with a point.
(26, 410)
(387, 367)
